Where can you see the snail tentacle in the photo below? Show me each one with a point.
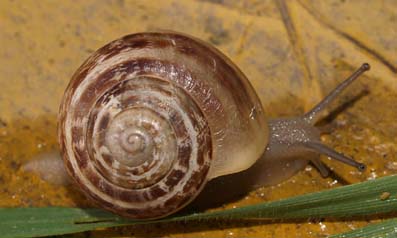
(323, 149)
(313, 115)
(324, 170)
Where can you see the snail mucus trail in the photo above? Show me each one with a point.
(150, 118)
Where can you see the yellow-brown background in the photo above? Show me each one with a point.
(293, 52)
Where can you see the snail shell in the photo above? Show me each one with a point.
(150, 118)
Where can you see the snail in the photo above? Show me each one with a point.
(149, 119)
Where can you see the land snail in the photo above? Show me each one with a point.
(149, 119)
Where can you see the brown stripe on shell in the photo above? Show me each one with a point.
(174, 178)
(83, 158)
(202, 160)
(156, 191)
(141, 42)
(104, 121)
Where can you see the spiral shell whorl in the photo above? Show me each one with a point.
(141, 146)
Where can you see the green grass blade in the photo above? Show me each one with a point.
(385, 229)
(34, 222)
(353, 200)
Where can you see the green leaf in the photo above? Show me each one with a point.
(353, 200)
(384, 229)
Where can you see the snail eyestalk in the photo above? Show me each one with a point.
(313, 115)
(297, 138)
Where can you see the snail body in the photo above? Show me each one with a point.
(150, 118)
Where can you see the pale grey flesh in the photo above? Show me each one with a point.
(49, 166)
(293, 142)
(298, 139)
